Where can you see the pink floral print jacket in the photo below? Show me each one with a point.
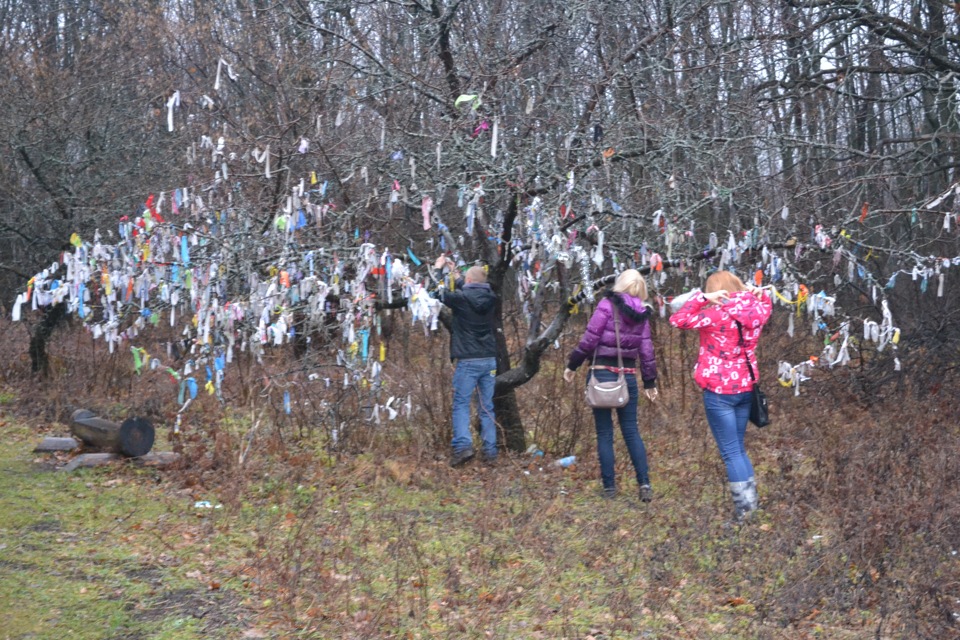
(721, 365)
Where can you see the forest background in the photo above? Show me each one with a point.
(555, 142)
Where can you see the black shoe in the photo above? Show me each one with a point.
(609, 493)
(646, 493)
(461, 457)
(488, 459)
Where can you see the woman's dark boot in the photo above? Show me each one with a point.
(646, 493)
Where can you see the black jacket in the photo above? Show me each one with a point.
(473, 306)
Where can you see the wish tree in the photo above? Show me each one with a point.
(556, 144)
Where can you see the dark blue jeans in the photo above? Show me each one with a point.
(627, 417)
(470, 374)
(728, 415)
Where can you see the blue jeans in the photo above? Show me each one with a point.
(627, 417)
(470, 374)
(728, 414)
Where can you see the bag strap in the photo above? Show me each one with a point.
(616, 329)
(745, 354)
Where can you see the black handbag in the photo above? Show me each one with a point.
(759, 414)
(608, 395)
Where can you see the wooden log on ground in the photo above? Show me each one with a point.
(89, 460)
(133, 438)
(158, 459)
(51, 444)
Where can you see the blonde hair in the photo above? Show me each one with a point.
(476, 274)
(631, 282)
(723, 280)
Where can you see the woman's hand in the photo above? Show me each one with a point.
(568, 375)
(652, 394)
(716, 297)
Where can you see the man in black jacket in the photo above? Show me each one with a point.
(473, 347)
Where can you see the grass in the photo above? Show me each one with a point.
(309, 545)
(99, 554)
(424, 551)
(407, 549)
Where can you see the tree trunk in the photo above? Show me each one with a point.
(507, 410)
(53, 316)
(505, 406)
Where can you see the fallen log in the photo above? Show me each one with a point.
(133, 438)
(158, 459)
(51, 444)
(89, 460)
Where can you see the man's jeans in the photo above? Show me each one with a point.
(470, 374)
(728, 414)
(627, 417)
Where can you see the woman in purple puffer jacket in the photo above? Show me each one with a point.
(636, 347)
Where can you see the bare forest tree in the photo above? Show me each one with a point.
(555, 142)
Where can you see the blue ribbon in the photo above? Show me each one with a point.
(365, 342)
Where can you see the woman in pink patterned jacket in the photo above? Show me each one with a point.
(726, 308)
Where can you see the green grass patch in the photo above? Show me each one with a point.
(100, 554)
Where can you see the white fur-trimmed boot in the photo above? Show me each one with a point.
(752, 497)
(744, 496)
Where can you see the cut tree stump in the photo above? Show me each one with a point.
(133, 438)
(51, 444)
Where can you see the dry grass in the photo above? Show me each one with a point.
(377, 537)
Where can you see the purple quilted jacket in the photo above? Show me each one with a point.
(635, 341)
